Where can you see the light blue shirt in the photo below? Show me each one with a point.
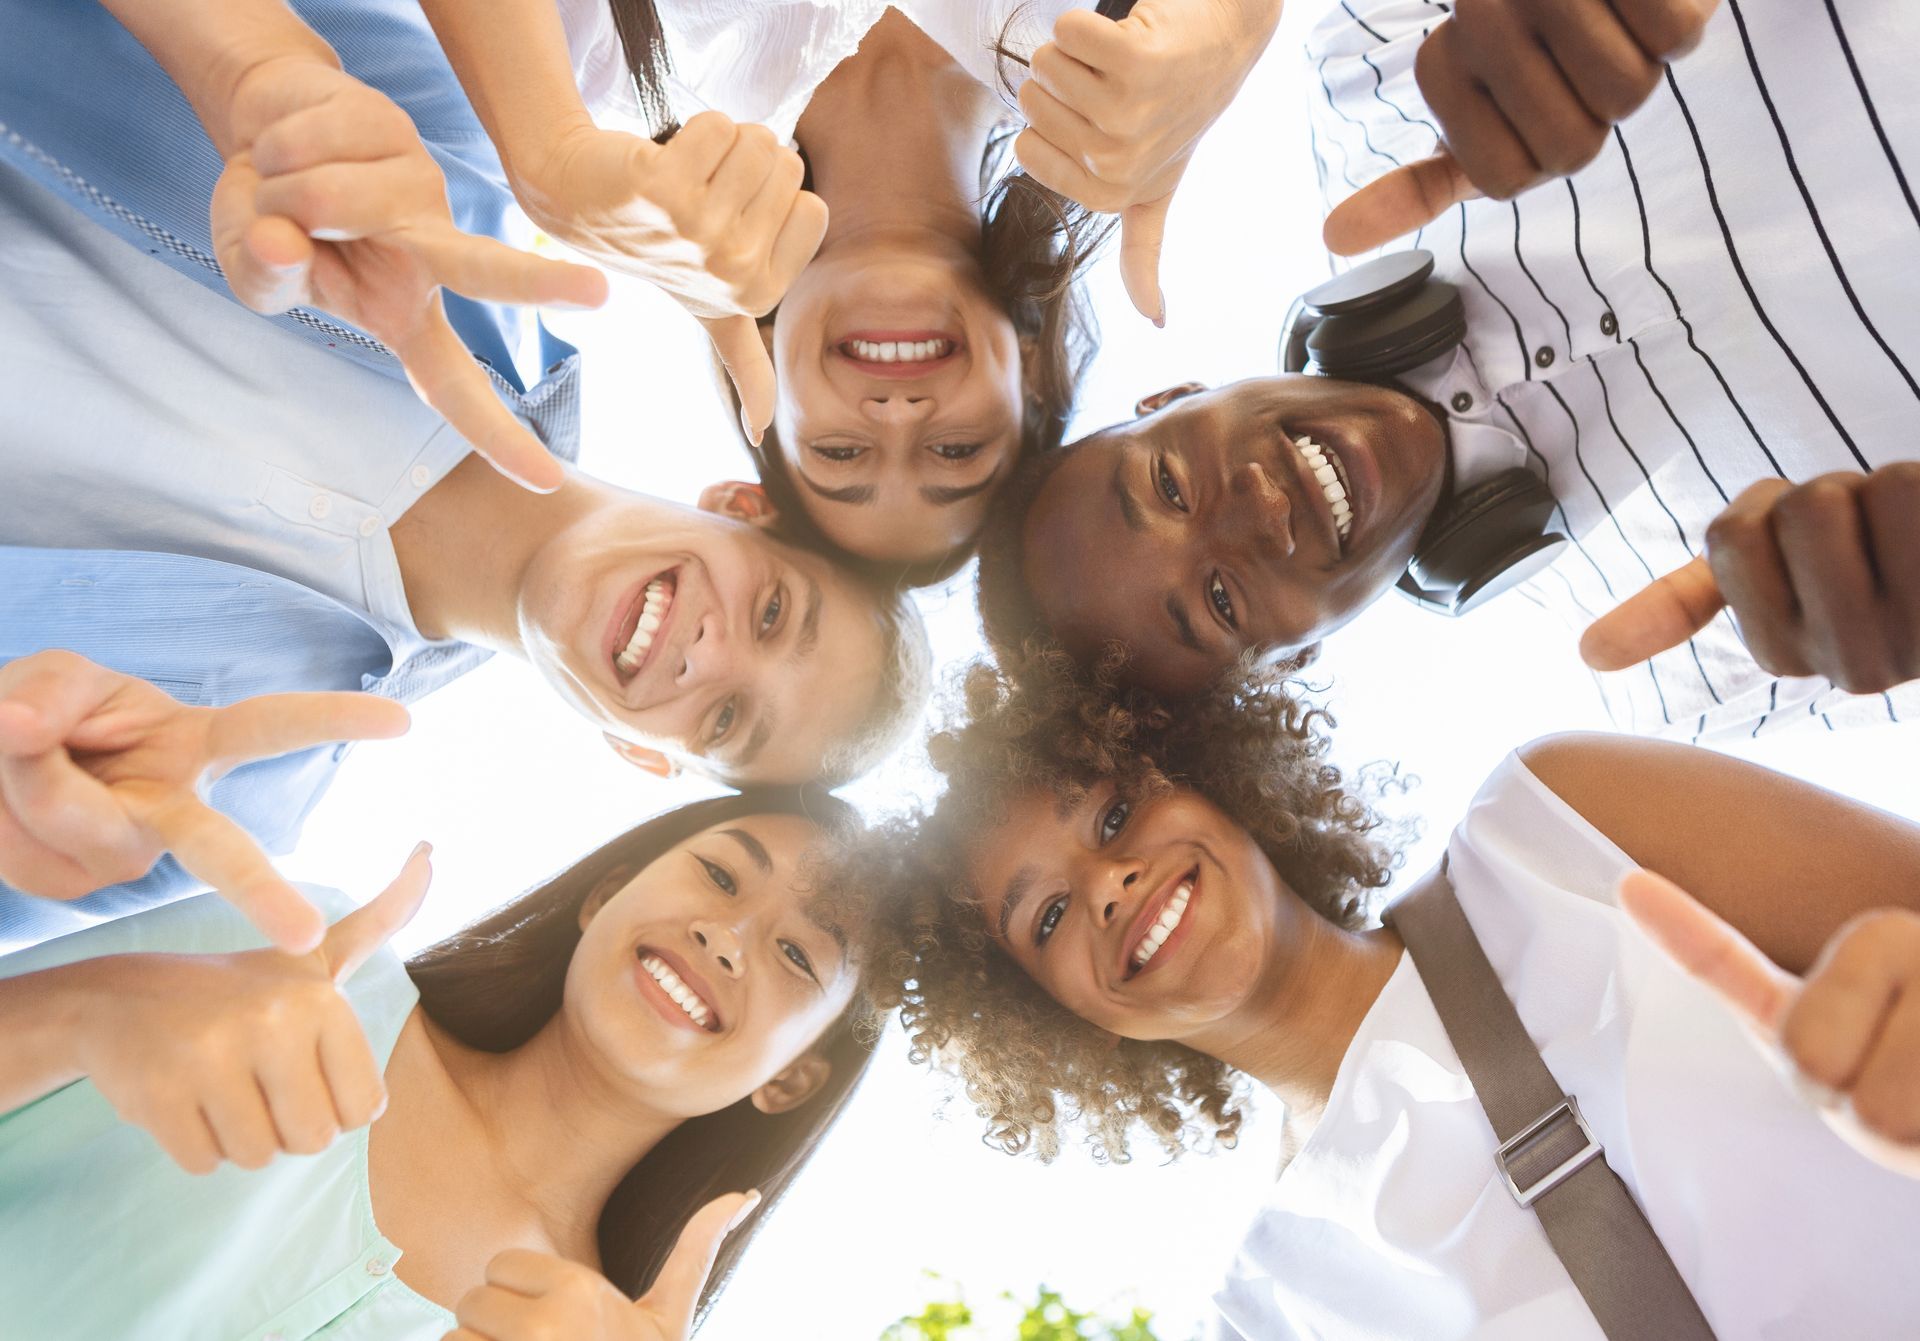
(86, 112)
(103, 1236)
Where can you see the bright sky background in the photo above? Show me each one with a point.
(510, 785)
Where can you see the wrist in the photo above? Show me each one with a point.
(537, 168)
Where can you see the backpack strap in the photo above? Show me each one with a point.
(1548, 1157)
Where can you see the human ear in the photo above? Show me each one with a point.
(642, 758)
(603, 889)
(1296, 662)
(739, 500)
(1159, 400)
(793, 1086)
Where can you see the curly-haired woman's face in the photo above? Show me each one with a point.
(702, 978)
(1151, 919)
(900, 397)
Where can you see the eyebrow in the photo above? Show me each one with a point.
(809, 635)
(857, 494)
(1182, 624)
(755, 848)
(1129, 508)
(945, 495)
(1016, 890)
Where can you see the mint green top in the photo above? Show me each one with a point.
(102, 1236)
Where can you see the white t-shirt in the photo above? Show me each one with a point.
(1392, 1221)
(761, 60)
(151, 413)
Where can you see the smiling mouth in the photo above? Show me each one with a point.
(640, 630)
(1158, 932)
(898, 354)
(691, 1003)
(1327, 470)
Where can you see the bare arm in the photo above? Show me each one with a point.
(1785, 862)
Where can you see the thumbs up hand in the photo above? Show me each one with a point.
(1848, 1033)
(1823, 578)
(531, 1296)
(240, 1056)
(1114, 110)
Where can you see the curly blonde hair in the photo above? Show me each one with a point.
(1030, 1066)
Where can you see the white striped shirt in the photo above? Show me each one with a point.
(1730, 292)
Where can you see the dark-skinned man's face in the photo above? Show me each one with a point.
(1264, 515)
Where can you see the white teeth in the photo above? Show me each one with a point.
(1325, 467)
(1163, 926)
(683, 996)
(899, 351)
(653, 613)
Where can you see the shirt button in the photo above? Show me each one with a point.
(319, 507)
(378, 1266)
(1462, 402)
(1609, 324)
(368, 525)
(420, 475)
(1543, 356)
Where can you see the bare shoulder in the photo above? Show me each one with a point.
(1783, 860)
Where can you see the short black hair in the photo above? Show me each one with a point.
(1010, 617)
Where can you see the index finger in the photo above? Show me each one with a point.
(744, 354)
(446, 376)
(1709, 950)
(1663, 614)
(1396, 204)
(489, 270)
(46, 695)
(215, 849)
(273, 724)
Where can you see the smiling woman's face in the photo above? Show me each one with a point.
(702, 977)
(1151, 919)
(900, 398)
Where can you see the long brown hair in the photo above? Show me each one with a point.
(496, 983)
(1034, 245)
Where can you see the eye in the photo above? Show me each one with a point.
(1049, 919)
(1164, 481)
(723, 723)
(1114, 818)
(720, 876)
(770, 617)
(838, 454)
(799, 958)
(956, 451)
(1222, 603)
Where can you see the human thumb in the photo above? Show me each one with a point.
(352, 940)
(737, 341)
(1142, 229)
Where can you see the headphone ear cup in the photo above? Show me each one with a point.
(1488, 538)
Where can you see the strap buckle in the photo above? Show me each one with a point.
(1544, 1127)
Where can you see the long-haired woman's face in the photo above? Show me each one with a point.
(1150, 918)
(703, 977)
(900, 398)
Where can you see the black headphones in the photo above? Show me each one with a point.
(1371, 324)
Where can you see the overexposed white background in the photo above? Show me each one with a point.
(509, 786)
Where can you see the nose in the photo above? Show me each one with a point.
(708, 656)
(1107, 887)
(897, 409)
(722, 944)
(1259, 514)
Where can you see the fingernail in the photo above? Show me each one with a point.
(746, 426)
(421, 849)
(1814, 1092)
(1161, 320)
(379, 1109)
(746, 1209)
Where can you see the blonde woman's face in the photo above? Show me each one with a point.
(1150, 919)
(703, 978)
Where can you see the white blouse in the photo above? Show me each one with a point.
(1393, 1223)
(761, 60)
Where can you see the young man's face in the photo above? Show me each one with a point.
(695, 634)
(1199, 530)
